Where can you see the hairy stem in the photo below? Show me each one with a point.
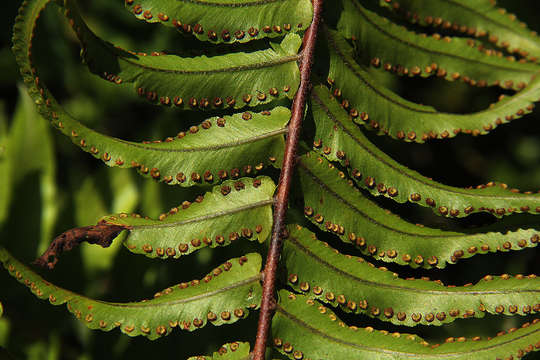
(268, 302)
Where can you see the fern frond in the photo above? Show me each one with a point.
(304, 329)
(229, 151)
(335, 205)
(238, 209)
(380, 109)
(233, 80)
(227, 21)
(245, 143)
(478, 18)
(452, 57)
(258, 138)
(339, 139)
(221, 297)
(354, 285)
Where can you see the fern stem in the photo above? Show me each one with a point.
(268, 302)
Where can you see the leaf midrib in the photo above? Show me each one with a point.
(186, 300)
(259, 65)
(233, 5)
(206, 148)
(206, 217)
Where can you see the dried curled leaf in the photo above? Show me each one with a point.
(101, 234)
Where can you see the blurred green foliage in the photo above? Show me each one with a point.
(47, 186)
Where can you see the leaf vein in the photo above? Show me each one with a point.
(240, 68)
(208, 148)
(208, 216)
